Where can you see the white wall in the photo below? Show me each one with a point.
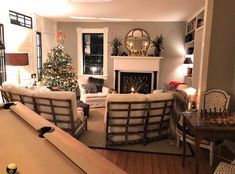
(218, 58)
(171, 67)
(20, 39)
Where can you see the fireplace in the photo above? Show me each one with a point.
(139, 73)
(138, 82)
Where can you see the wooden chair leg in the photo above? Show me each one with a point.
(178, 141)
(211, 154)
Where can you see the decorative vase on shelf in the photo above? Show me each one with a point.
(157, 52)
(157, 43)
(115, 51)
(116, 44)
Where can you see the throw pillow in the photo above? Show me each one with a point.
(99, 88)
(167, 87)
(98, 82)
(90, 88)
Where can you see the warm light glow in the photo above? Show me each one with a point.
(180, 49)
(132, 89)
(190, 91)
(93, 69)
(15, 40)
(145, 45)
(131, 44)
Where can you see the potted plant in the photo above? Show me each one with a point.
(116, 44)
(157, 42)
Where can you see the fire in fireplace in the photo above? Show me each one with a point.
(138, 82)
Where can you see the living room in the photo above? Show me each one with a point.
(212, 67)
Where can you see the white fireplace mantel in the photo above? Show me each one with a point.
(134, 63)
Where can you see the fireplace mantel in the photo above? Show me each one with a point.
(134, 63)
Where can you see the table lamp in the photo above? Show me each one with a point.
(188, 60)
(17, 59)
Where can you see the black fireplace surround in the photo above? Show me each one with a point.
(140, 82)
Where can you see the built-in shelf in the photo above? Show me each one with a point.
(193, 45)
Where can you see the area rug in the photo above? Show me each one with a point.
(94, 137)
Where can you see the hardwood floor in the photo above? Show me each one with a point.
(145, 163)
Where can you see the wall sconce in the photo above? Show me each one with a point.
(17, 59)
(188, 61)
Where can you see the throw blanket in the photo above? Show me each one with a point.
(180, 105)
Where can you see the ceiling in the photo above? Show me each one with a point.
(111, 10)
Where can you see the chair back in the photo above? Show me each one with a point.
(125, 118)
(23, 95)
(60, 108)
(159, 114)
(216, 100)
(5, 95)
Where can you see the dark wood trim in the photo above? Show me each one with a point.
(154, 80)
(116, 80)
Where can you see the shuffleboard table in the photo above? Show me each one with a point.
(37, 146)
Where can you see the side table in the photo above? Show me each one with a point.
(201, 129)
(85, 107)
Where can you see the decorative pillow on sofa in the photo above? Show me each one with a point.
(167, 87)
(99, 83)
(90, 88)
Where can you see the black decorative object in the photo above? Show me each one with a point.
(116, 44)
(2, 47)
(188, 60)
(157, 43)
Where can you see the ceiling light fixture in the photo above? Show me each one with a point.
(83, 17)
(97, 18)
(115, 19)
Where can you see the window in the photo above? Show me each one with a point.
(2, 56)
(39, 55)
(92, 52)
(20, 19)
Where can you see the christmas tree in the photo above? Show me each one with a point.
(57, 72)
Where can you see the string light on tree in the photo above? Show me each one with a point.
(57, 72)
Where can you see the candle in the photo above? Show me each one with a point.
(131, 44)
(132, 90)
(145, 45)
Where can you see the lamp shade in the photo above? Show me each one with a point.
(2, 47)
(17, 59)
(188, 60)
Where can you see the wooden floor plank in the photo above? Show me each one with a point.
(147, 163)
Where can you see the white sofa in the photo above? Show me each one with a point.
(92, 99)
(137, 118)
(56, 106)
